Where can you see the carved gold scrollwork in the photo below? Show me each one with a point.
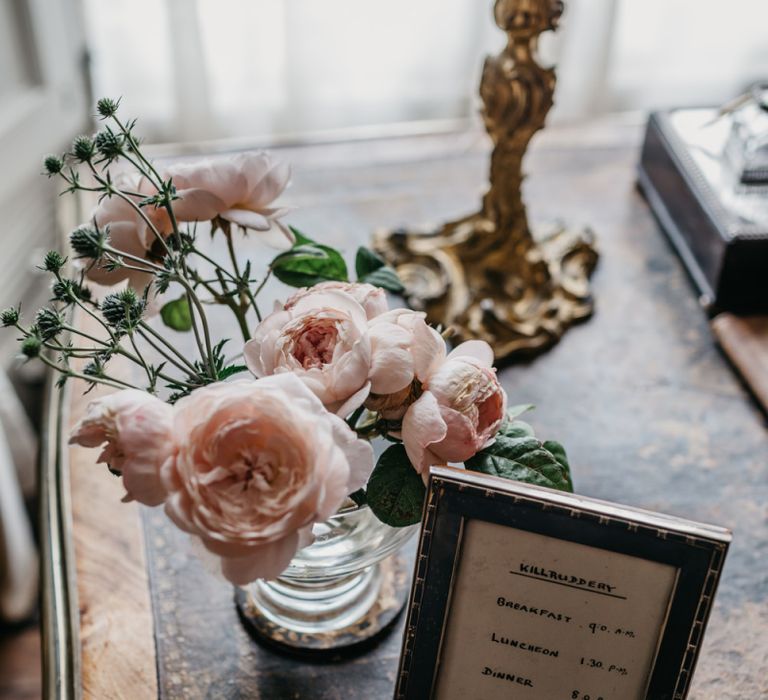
(486, 275)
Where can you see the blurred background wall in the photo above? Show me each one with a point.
(43, 103)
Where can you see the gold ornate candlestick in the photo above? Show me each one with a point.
(486, 275)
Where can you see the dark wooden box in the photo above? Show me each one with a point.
(716, 228)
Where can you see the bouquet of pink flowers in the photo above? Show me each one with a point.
(248, 453)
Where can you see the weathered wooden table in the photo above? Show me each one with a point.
(647, 407)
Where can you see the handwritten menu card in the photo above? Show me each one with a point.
(535, 617)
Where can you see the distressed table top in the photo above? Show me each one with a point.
(647, 407)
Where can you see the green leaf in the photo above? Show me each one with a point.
(395, 491)
(230, 370)
(177, 315)
(307, 263)
(386, 278)
(516, 411)
(522, 458)
(301, 239)
(512, 447)
(372, 269)
(367, 261)
(559, 453)
(516, 428)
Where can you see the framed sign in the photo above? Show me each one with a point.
(525, 592)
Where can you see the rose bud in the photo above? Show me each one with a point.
(404, 350)
(460, 411)
(135, 429)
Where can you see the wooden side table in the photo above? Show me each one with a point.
(649, 411)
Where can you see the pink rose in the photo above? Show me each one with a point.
(372, 299)
(137, 430)
(323, 340)
(259, 462)
(404, 351)
(128, 232)
(239, 188)
(460, 411)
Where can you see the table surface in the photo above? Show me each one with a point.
(646, 405)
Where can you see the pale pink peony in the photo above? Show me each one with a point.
(322, 339)
(259, 462)
(404, 352)
(372, 299)
(137, 430)
(239, 188)
(460, 411)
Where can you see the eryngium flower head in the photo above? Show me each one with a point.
(83, 148)
(69, 290)
(122, 309)
(62, 291)
(109, 144)
(9, 317)
(31, 346)
(94, 369)
(53, 165)
(87, 242)
(107, 107)
(53, 261)
(49, 323)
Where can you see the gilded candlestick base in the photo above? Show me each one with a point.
(463, 276)
(486, 275)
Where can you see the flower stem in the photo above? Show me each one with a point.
(90, 337)
(231, 250)
(206, 353)
(229, 303)
(150, 377)
(96, 317)
(135, 148)
(167, 357)
(216, 265)
(145, 328)
(191, 296)
(116, 255)
(108, 381)
(253, 295)
(192, 299)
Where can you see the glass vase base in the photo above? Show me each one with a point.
(327, 618)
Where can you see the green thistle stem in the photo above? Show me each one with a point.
(145, 329)
(150, 377)
(69, 372)
(229, 303)
(167, 357)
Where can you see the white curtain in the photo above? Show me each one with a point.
(221, 68)
(203, 69)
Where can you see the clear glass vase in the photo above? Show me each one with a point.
(341, 591)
